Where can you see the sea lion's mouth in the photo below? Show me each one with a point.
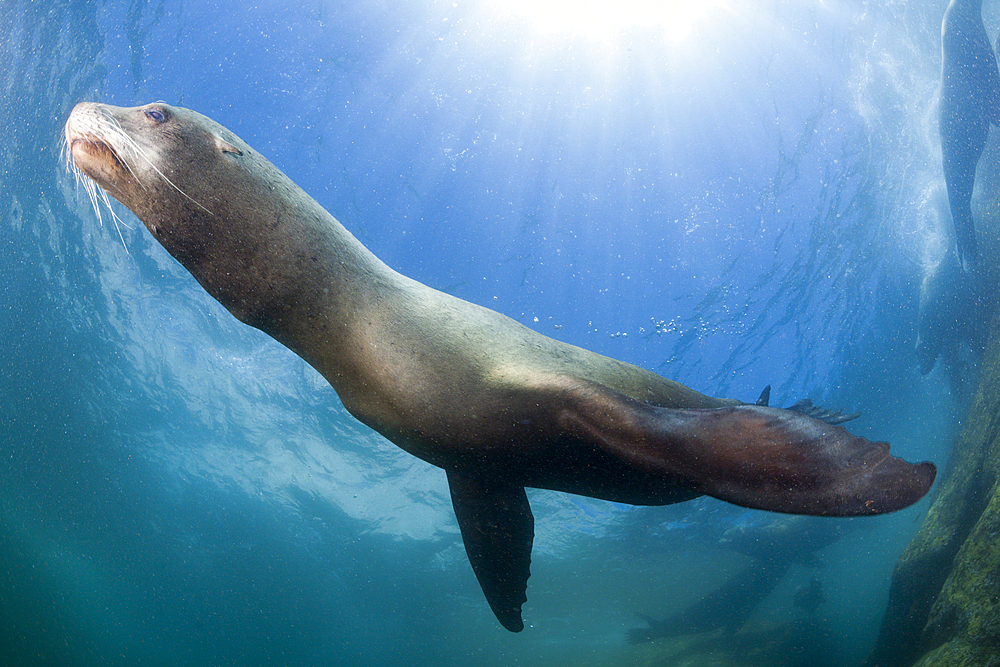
(92, 149)
(96, 165)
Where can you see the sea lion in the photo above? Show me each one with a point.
(497, 405)
(810, 596)
(948, 313)
(773, 549)
(970, 101)
(726, 608)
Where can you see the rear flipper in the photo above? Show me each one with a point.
(806, 407)
(785, 461)
(749, 455)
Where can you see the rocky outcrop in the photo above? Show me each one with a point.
(944, 603)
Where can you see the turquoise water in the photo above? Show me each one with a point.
(750, 202)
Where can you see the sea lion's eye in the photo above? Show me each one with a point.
(156, 115)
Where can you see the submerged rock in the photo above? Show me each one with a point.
(944, 603)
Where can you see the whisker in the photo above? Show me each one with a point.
(137, 152)
(129, 154)
(129, 143)
(96, 194)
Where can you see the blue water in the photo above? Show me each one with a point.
(751, 201)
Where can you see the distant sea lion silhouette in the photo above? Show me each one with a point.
(970, 101)
(497, 405)
(774, 548)
(949, 312)
(809, 597)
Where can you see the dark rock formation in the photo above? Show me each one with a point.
(944, 603)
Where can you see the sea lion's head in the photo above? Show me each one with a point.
(239, 225)
(156, 159)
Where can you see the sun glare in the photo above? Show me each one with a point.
(601, 20)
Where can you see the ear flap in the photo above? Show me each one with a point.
(226, 147)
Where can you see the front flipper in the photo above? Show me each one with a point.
(498, 529)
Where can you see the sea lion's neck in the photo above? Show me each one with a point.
(304, 279)
(341, 290)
